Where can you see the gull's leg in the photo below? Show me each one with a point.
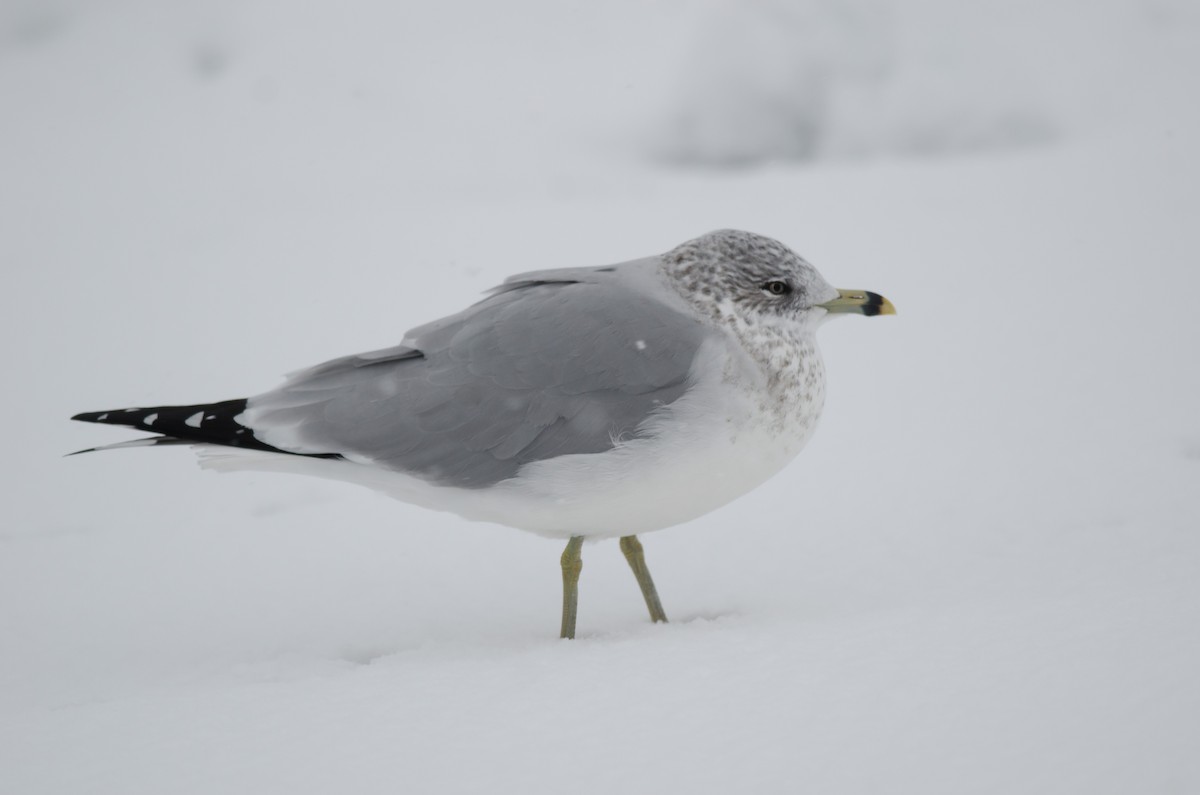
(572, 564)
(637, 561)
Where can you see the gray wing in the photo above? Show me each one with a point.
(551, 364)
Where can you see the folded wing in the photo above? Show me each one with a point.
(544, 367)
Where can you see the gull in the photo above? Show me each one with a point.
(578, 403)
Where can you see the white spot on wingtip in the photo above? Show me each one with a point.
(194, 420)
(150, 418)
(210, 417)
(102, 417)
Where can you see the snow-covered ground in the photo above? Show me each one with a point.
(982, 576)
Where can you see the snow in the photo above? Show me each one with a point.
(981, 576)
(769, 79)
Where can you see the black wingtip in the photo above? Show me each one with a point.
(113, 416)
(205, 423)
(89, 416)
(145, 441)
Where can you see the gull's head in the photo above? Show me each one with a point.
(754, 279)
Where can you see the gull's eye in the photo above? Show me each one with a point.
(777, 287)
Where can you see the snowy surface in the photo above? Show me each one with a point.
(981, 576)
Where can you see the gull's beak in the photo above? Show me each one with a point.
(861, 302)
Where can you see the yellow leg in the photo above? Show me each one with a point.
(637, 561)
(572, 564)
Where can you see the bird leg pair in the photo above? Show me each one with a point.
(572, 565)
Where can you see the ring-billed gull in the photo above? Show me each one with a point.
(580, 403)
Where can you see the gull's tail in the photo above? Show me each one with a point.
(205, 423)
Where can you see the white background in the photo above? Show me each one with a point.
(980, 577)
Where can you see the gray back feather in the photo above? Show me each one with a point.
(551, 363)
